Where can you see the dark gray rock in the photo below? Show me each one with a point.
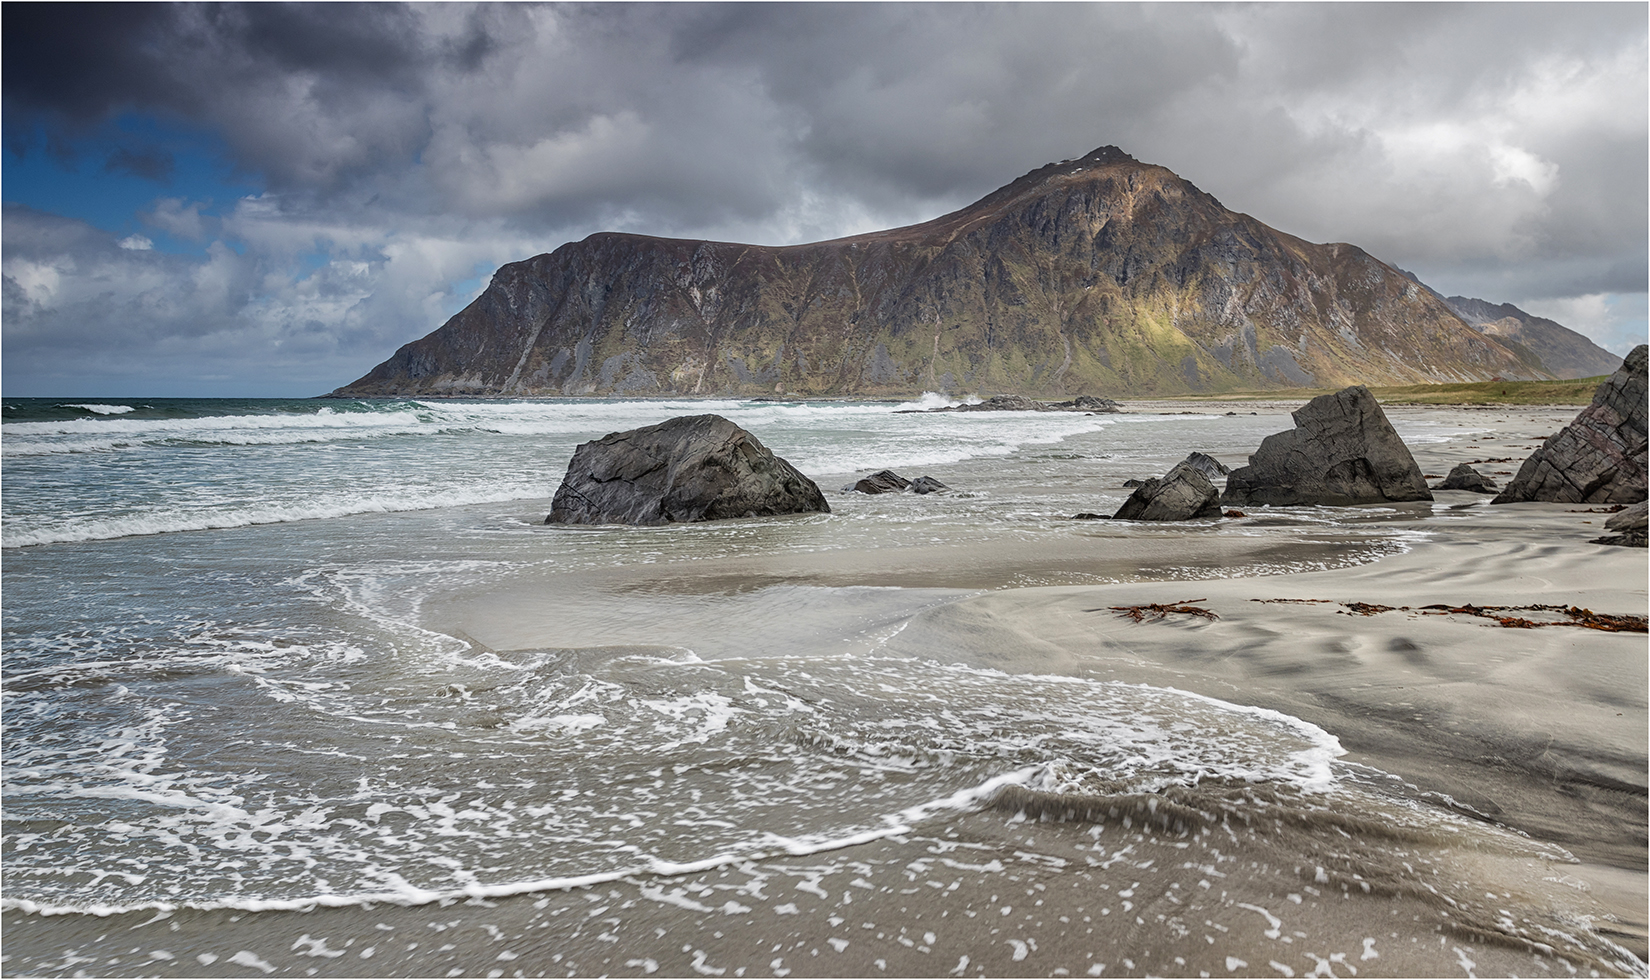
(693, 468)
(882, 481)
(1130, 484)
(1600, 457)
(1000, 403)
(1182, 494)
(1020, 403)
(1464, 477)
(927, 484)
(1208, 465)
(1632, 527)
(1342, 452)
(1090, 403)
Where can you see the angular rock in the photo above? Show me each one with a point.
(1600, 457)
(1342, 452)
(1208, 465)
(1464, 477)
(1131, 484)
(1632, 527)
(692, 468)
(882, 481)
(927, 484)
(1182, 494)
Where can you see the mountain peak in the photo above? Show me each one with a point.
(1101, 275)
(1107, 154)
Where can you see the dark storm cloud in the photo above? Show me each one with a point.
(1497, 150)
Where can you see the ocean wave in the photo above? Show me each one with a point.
(766, 846)
(19, 532)
(100, 409)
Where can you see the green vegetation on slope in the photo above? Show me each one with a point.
(1574, 392)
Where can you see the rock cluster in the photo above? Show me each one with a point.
(1600, 457)
(1184, 493)
(1089, 403)
(1342, 452)
(692, 468)
(1020, 403)
(1464, 477)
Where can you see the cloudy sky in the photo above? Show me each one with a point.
(269, 199)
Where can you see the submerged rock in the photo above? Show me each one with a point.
(882, 481)
(887, 481)
(1342, 451)
(1632, 527)
(1182, 494)
(693, 468)
(1464, 477)
(1600, 457)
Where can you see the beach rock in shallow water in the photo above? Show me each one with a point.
(1600, 457)
(693, 468)
(1342, 451)
(1183, 494)
(1464, 477)
(1632, 527)
(927, 484)
(882, 481)
(1090, 403)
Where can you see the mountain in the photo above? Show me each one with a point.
(1102, 276)
(1561, 350)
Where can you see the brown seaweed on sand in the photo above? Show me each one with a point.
(1161, 610)
(1584, 618)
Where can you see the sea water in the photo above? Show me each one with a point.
(285, 680)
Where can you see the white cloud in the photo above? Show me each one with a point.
(1615, 321)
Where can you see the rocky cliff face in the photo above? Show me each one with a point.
(1561, 350)
(1099, 276)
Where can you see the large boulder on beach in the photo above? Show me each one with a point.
(1342, 452)
(693, 468)
(1182, 494)
(1600, 457)
(1464, 477)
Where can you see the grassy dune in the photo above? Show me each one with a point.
(1575, 392)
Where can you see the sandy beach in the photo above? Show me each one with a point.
(1445, 794)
